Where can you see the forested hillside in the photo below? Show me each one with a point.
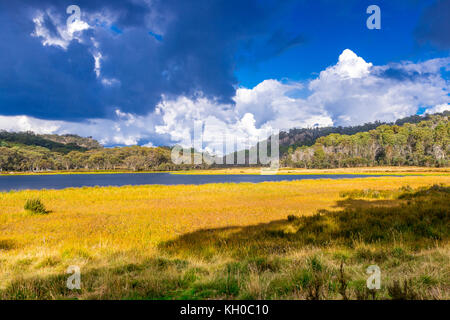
(426, 143)
(34, 158)
(307, 136)
(10, 139)
(26, 151)
(72, 139)
(409, 142)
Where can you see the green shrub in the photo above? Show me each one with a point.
(35, 206)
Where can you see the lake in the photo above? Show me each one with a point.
(61, 181)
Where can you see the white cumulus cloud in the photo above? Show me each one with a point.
(64, 34)
(438, 108)
(350, 92)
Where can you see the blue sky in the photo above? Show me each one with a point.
(143, 71)
(329, 27)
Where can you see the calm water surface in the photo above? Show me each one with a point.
(61, 181)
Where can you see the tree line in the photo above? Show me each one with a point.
(136, 158)
(298, 137)
(425, 143)
(419, 143)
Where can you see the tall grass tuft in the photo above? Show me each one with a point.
(35, 206)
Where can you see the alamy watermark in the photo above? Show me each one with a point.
(231, 149)
(374, 20)
(75, 15)
(74, 281)
(374, 280)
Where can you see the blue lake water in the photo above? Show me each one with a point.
(61, 181)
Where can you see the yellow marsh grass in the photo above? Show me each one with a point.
(98, 227)
(135, 216)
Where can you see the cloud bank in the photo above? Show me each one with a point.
(350, 92)
(124, 54)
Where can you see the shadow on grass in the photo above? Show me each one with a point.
(417, 218)
(7, 244)
(156, 278)
(363, 204)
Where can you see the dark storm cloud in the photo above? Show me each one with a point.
(259, 49)
(434, 25)
(281, 42)
(42, 81)
(402, 74)
(195, 53)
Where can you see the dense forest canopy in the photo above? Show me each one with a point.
(416, 140)
(307, 136)
(420, 144)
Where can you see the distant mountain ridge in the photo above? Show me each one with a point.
(73, 139)
(55, 143)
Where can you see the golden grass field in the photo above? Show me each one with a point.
(225, 241)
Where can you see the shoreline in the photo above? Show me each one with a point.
(426, 171)
(346, 179)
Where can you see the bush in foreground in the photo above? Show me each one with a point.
(35, 206)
